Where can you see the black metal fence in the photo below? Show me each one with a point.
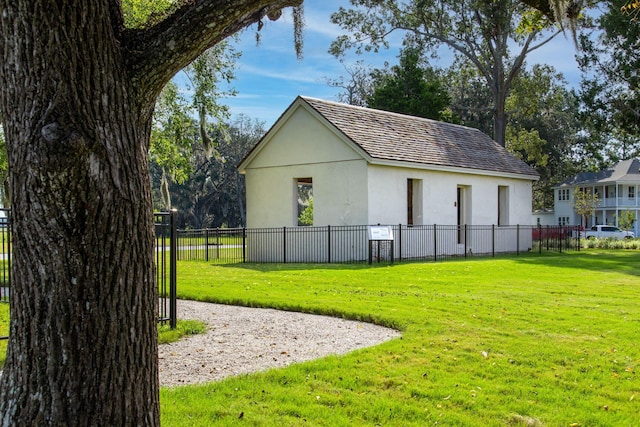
(352, 244)
(5, 262)
(165, 259)
(166, 253)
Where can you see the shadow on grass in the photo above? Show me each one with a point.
(619, 260)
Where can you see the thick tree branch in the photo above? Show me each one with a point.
(155, 55)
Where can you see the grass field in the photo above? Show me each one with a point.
(536, 340)
(523, 341)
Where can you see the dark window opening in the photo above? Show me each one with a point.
(304, 198)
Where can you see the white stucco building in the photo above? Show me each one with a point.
(617, 189)
(365, 166)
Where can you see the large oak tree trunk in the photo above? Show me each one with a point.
(77, 95)
(83, 347)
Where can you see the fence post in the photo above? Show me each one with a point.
(560, 238)
(218, 243)
(173, 282)
(518, 239)
(284, 245)
(399, 242)
(465, 240)
(539, 238)
(206, 244)
(547, 238)
(493, 240)
(435, 242)
(329, 244)
(244, 245)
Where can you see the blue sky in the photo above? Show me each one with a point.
(269, 76)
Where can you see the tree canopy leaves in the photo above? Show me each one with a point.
(409, 88)
(484, 33)
(610, 90)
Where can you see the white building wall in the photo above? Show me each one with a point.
(306, 148)
(388, 197)
(564, 209)
(544, 218)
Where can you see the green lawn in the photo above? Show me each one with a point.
(523, 341)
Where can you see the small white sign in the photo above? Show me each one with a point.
(380, 232)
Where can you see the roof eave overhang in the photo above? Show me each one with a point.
(598, 183)
(451, 169)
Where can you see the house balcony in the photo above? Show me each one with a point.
(619, 202)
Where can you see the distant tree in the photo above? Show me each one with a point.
(356, 85)
(485, 33)
(565, 12)
(173, 134)
(585, 203)
(410, 88)
(471, 99)
(542, 125)
(305, 199)
(180, 121)
(213, 194)
(631, 8)
(306, 217)
(610, 90)
(626, 220)
(543, 128)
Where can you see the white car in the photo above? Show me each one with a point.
(607, 232)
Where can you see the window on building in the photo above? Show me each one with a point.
(414, 201)
(563, 194)
(632, 192)
(463, 204)
(503, 205)
(304, 201)
(609, 191)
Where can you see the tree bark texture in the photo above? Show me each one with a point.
(77, 94)
(83, 347)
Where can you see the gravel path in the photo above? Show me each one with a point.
(242, 340)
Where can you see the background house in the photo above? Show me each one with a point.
(365, 166)
(362, 166)
(617, 189)
(544, 217)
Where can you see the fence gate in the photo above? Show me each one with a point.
(165, 258)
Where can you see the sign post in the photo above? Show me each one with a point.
(380, 233)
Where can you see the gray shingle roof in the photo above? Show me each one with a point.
(396, 137)
(624, 171)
